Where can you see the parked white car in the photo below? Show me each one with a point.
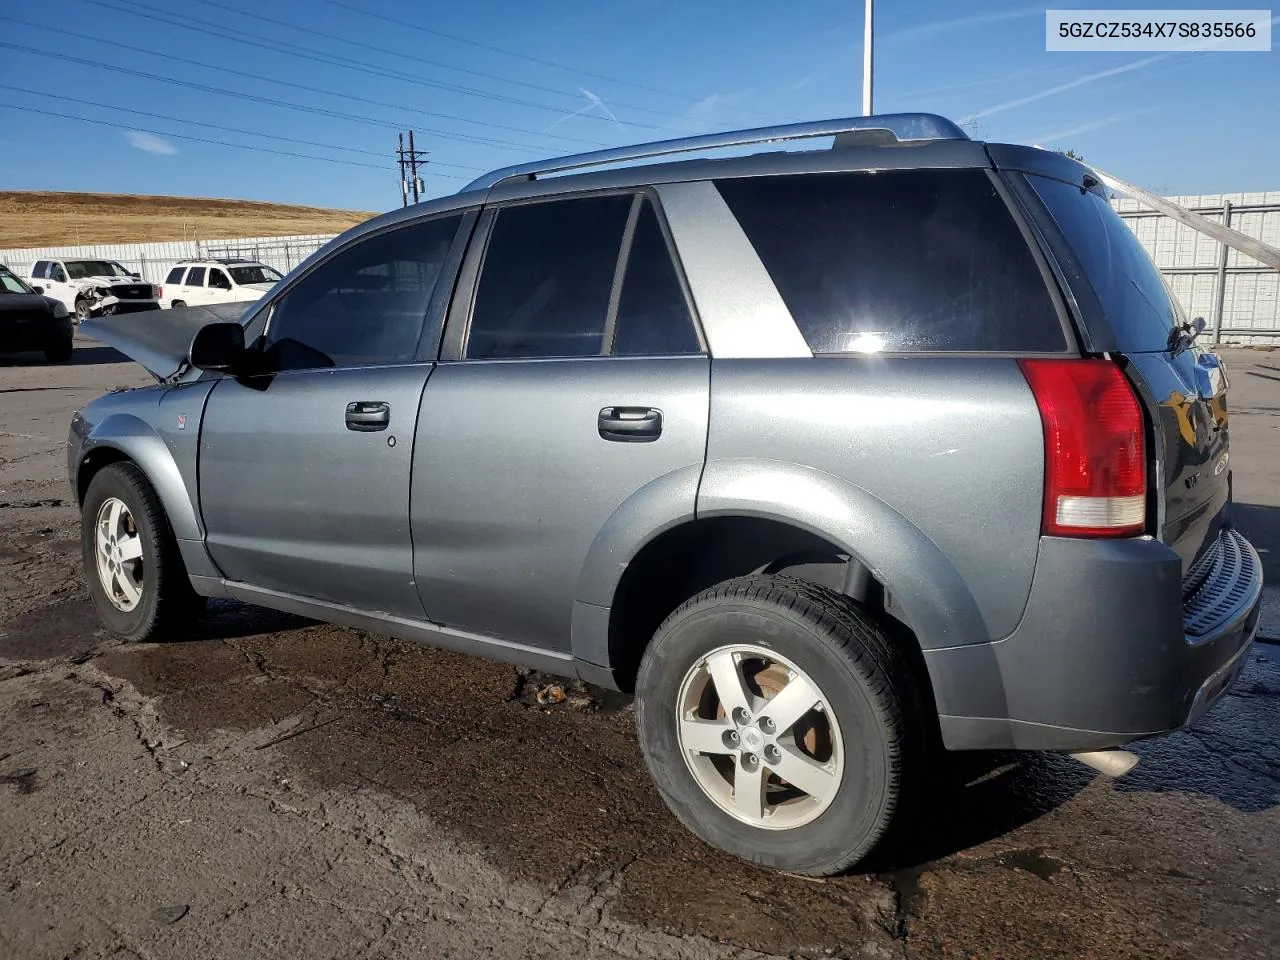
(93, 288)
(198, 283)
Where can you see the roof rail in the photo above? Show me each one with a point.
(903, 126)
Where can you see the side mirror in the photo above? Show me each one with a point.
(136, 276)
(218, 347)
(38, 289)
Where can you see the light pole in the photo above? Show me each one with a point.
(868, 21)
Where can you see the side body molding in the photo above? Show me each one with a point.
(923, 582)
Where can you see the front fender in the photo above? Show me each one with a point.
(923, 582)
(132, 436)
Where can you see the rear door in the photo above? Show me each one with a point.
(571, 378)
(1130, 311)
(193, 287)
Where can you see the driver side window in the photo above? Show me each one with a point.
(364, 306)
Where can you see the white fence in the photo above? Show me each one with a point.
(153, 260)
(1239, 297)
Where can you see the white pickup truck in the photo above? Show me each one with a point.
(93, 288)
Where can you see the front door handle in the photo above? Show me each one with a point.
(630, 424)
(366, 416)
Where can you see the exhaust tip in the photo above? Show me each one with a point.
(1110, 763)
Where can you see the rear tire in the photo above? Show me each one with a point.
(136, 576)
(176, 304)
(850, 757)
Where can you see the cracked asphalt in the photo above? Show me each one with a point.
(277, 787)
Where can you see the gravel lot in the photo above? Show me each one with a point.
(280, 788)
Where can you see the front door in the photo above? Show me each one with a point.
(579, 380)
(304, 468)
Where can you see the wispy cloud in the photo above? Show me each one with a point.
(1089, 78)
(936, 28)
(1053, 91)
(593, 103)
(1055, 135)
(150, 143)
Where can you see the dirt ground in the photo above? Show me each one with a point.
(40, 218)
(280, 788)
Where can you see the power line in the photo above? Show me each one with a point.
(215, 126)
(219, 143)
(254, 98)
(117, 45)
(574, 94)
(207, 27)
(521, 56)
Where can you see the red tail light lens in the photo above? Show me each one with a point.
(1095, 459)
(160, 292)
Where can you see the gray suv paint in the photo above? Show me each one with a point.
(827, 455)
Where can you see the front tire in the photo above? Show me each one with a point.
(136, 577)
(779, 723)
(59, 352)
(83, 310)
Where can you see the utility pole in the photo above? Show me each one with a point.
(867, 25)
(410, 182)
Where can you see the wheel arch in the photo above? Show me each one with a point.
(124, 437)
(754, 516)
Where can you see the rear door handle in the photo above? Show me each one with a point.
(630, 424)
(366, 416)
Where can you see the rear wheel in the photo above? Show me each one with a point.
(779, 723)
(59, 352)
(136, 576)
(177, 303)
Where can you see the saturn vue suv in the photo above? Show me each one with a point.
(833, 456)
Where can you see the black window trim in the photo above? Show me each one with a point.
(458, 322)
(433, 319)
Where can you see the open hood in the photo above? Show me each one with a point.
(159, 339)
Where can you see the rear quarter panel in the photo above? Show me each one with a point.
(951, 446)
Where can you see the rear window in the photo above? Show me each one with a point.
(1133, 295)
(900, 261)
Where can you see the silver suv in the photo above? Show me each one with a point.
(831, 456)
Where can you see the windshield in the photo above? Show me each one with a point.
(259, 273)
(11, 284)
(80, 269)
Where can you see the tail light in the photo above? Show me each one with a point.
(1095, 460)
(160, 291)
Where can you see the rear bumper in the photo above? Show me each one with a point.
(1108, 650)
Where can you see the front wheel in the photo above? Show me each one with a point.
(136, 576)
(59, 352)
(779, 723)
(83, 310)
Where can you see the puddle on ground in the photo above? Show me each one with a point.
(67, 628)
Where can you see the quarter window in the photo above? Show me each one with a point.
(902, 261)
(175, 275)
(548, 273)
(366, 305)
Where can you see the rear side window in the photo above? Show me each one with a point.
(1133, 295)
(899, 261)
(548, 273)
(195, 278)
(175, 275)
(40, 270)
(653, 316)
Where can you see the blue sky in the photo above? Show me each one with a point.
(500, 81)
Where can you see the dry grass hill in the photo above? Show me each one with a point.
(39, 218)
